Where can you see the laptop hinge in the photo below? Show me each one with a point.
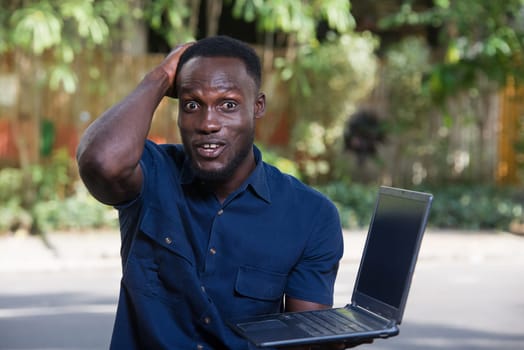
(371, 313)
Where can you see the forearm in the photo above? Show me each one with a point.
(122, 129)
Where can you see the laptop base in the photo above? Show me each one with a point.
(314, 327)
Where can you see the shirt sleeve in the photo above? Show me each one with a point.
(313, 278)
(130, 213)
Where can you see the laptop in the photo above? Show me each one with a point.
(381, 287)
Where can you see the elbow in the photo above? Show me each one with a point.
(95, 165)
(105, 163)
(104, 176)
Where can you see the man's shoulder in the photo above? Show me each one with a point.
(288, 185)
(168, 151)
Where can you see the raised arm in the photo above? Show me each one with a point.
(109, 151)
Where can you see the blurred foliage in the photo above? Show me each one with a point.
(407, 118)
(478, 50)
(354, 202)
(275, 158)
(405, 65)
(46, 198)
(169, 19)
(77, 211)
(66, 28)
(479, 38)
(51, 179)
(329, 78)
(471, 207)
(325, 85)
(476, 207)
(296, 17)
(61, 28)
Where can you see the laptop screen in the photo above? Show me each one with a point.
(386, 268)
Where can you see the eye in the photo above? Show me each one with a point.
(229, 105)
(190, 106)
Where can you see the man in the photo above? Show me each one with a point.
(209, 231)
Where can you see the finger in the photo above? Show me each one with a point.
(171, 61)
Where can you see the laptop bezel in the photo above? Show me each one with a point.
(366, 302)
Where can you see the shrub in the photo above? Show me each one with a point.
(274, 158)
(46, 196)
(473, 207)
(354, 202)
(78, 211)
(476, 207)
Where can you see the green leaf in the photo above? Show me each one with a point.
(36, 28)
(62, 75)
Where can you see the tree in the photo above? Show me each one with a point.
(478, 51)
(478, 39)
(32, 33)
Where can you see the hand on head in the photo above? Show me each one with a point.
(169, 65)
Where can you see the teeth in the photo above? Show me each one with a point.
(210, 146)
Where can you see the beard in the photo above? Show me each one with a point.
(224, 174)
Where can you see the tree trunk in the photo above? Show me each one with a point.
(193, 18)
(213, 12)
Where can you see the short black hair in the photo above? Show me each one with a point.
(224, 46)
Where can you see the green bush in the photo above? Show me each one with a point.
(12, 213)
(472, 207)
(47, 196)
(476, 207)
(354, 202)
(274, 158)
(78, 211)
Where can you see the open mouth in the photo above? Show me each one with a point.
(209, 150)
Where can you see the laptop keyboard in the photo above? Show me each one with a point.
(326, 322)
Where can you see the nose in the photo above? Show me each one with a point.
(209, 122)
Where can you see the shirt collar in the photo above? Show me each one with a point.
(256, 181)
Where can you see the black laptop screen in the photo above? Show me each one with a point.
(387, 263)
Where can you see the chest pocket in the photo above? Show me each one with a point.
(260, 284)
(167, 231)
(161, 263)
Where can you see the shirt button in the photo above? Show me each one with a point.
(203, 288)
(213, 251)
(168, 240)
(207, 320)
(200, 347)
(220, 212)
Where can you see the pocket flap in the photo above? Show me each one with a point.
(167, 231)
(260, 284)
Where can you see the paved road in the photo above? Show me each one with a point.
(467, 292)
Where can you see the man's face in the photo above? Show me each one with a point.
(218, 105)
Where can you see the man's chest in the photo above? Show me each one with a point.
(243, 232)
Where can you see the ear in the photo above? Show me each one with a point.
(260, 105)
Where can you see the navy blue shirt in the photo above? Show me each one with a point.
(190, 263)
